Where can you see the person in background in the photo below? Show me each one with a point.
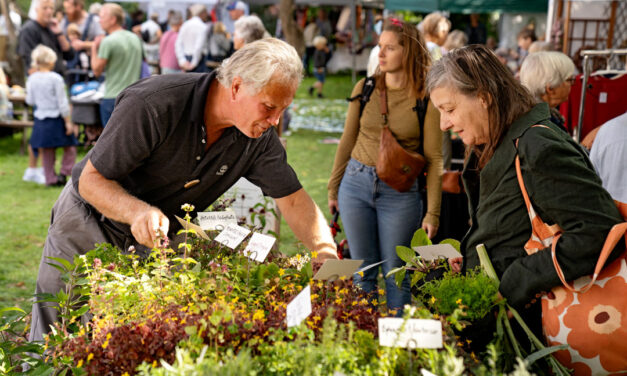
(549, 76)
(320, 64)
(455, 39)
(435, 28)
(376, 217)
(150, 33)
(46, 92)
(167, 56)
(87, 23)
(45, 30)
(476, 31)
(373, 59)
(219, 42)
(540, 45)
(190, 43)
(94, 8)
(74, 34)
(494, 115)
(609, 156)
(525, 38)
(247, 30)
(310, 32)
(119, 54)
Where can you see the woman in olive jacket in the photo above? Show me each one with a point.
(479, 99)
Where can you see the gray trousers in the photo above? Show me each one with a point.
(75, 228)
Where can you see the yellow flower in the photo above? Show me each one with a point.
(108, 336)
(433, 299)
(436, 316)
(105, 344)
(154, 364)
(314, 254)
(125, 374)
(338, 301)
(258, 315)
(361, 274)
(90, 356)
(281, 272)
(381, 291)
(79, 364)
(458, 301)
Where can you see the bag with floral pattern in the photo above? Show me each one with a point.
(590, 314)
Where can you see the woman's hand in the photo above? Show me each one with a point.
(429, 228)
(333, 206)
(456, 264)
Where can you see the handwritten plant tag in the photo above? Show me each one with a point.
(210, 221)
(299, 308)
(259, 246)
(192, 226)
(437, 251)
(232, 236)
(337, 268)
(424, 372)
(417, 333)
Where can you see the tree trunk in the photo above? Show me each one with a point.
(293, 34)
(16, 69)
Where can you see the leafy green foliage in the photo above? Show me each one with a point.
(474, 292)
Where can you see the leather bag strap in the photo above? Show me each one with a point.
(383, 103)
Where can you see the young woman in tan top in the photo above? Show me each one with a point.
(376, 217)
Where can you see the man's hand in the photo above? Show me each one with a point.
(54, 26)
(186, 66)
(78, 44)
(150, 225)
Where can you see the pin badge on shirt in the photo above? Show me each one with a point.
(222, 170)
(191, 183)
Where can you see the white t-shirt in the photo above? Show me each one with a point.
(609, 156)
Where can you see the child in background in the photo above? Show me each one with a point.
(319, 63)
(74, 33)
(45, 91)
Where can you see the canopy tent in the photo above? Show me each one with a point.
(469, 6)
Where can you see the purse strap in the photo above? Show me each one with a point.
(383, 103)
(615, 234)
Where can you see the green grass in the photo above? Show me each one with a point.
(25, 207)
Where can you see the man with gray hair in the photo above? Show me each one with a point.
(182, 139)
(190, 43)
(247, 30)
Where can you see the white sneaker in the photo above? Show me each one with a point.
(35, 175)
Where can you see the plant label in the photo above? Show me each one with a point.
(210, 221)
(334, 269)
(299, 308)
(424, 372)
(259, 246)
(437, 251)
(192, 226)
(413, 333)
(232, 236)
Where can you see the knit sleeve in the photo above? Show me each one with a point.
(433, 153)
(347, 143)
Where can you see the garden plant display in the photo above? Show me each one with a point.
(208, 309)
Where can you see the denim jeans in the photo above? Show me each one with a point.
(376, 219)
(106, 109)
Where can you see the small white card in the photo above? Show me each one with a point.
(338, 268)
(424, 372)
(259, 246)
(210, 221)
(603, 97)
(192, 226)
(299, 308)
(437, 251)
(417, 333)
(232, 236)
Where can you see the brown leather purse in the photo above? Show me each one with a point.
(397, 167)
(451, 182)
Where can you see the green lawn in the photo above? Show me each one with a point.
(25, 207)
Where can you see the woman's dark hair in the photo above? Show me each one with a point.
(416, 58)
(476, 71)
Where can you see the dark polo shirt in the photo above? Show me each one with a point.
(154, 146)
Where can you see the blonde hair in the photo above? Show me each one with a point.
(319, 40)
(540, 45)
(455, 39)
(257, 62)
(543, 68)
(116, 11)
(43, 57)
(72, 29)
(430, 26)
